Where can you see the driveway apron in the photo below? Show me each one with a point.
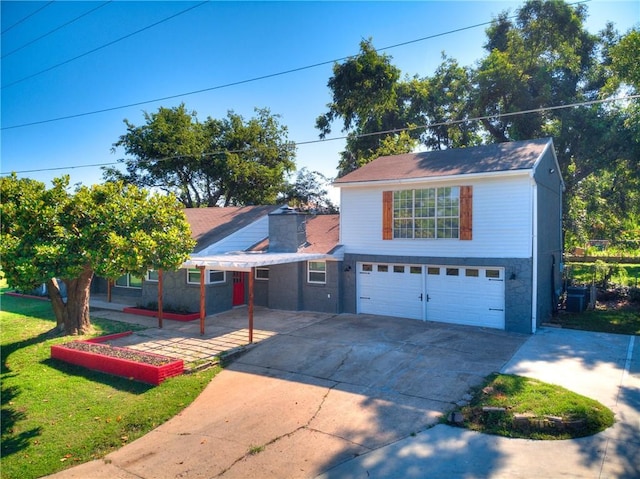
(312, 398)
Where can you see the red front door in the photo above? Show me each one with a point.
(238, 288)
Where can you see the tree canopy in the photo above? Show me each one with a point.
(536, 61)
(218, 162)
(49, 235)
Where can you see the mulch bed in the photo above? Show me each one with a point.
(122, 353)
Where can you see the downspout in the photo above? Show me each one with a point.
(534, 258)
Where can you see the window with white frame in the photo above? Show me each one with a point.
(262, 273)
(152, 275)
(317, 272)
(429, 213)
(129, 281)
(212, 276)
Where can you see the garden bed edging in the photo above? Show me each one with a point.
(146, 373)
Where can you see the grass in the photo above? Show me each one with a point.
(539, 400)
(55, 415)
(621, 320)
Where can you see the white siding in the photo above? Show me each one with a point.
(502, 216)
(241, 239)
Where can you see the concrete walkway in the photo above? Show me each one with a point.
(602, 366)
(360, 396)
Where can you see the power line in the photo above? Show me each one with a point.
(129, 35)
(236, 83)
(55, 29)
(363, 135)
(250, 80)
(27, 17)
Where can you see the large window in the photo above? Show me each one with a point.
(317, 272)
(427, 213)
(212, 276)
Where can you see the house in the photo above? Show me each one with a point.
(283, 258)
(470, 236)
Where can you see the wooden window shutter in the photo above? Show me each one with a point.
(387, 215)
(466, 212)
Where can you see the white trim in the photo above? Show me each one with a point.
(243, 261)
(435, 179)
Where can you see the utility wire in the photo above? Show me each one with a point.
(250, 80)
(239, 82)
(129, 35)
(363, 135)
(27, 17)
(55, 29)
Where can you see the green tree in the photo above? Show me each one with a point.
(369, 98)
(229, 161)
(51, 235)
(309, 192)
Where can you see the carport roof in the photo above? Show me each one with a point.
(243, 261)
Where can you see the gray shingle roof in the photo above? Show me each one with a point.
(210, 225)
(511, 156)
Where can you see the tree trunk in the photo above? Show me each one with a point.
(72, 316)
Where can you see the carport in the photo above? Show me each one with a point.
(237, 261)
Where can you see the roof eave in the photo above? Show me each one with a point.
(433, 179)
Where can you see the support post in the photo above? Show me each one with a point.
(203, 307)
(160, 291)
(109, 286)
(251, 278)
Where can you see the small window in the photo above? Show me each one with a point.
(398, 268)
(262, 273)
(433, 271)
(383, 268)
(415, 270)
(152, 275)
(216, 276)
(492, 273)
(129, 281)
(471, 273)
(317, 272)
(453, 272)
(193, 276)
(367, 267)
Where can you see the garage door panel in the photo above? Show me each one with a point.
(466, 295)
(390, 290)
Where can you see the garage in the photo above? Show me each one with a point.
(451, 294)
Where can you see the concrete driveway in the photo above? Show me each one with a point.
(315, 397)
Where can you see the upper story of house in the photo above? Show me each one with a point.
(470, 202)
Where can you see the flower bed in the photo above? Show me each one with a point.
(165, 315)
(142, 366)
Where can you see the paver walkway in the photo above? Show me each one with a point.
(225, 333)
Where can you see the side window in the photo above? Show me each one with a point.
(317, 272)
(262, 273)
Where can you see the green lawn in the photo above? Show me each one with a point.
(56, 415)
(509, 395)
(620, 274)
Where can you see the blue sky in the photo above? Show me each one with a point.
(213, 44)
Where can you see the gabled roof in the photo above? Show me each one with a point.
(500, 157)
(210, 225)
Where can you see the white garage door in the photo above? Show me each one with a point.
(391, 290)
(466, 295)
(461, 295)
